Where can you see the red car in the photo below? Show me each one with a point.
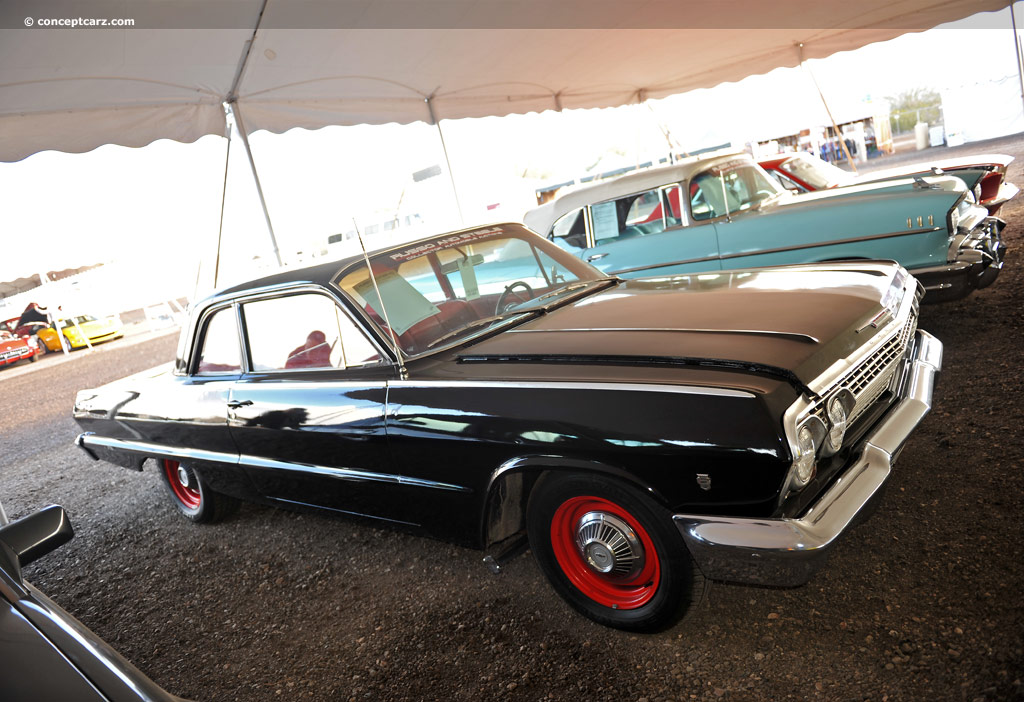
(15, 348)
(983, 174)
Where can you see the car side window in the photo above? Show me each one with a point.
(220, 352)
(303, 331)
(571, 228)
(786, 182)
(633, 215)
(728, 188)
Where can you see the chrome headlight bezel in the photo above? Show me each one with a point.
(807, 439)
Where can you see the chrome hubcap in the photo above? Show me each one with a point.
(183, 476)
(608, 545)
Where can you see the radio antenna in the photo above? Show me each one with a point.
(402, 372)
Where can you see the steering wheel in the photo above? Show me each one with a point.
(509, 290)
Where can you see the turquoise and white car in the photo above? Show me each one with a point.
(723, 211)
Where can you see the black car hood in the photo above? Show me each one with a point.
(790, 322)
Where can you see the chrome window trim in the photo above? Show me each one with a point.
(278, 292)
(561, 385)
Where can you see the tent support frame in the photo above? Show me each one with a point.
(444, 147)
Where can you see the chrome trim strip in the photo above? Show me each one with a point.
(787, 552)
(649, 267)
(781, 249)
(631, 387)
(150, 449)
(352, 474)
(87, 440)
(759, 332)
(834, 242)
(343, 511)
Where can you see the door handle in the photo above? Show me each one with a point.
(235, 404)
(596, 257)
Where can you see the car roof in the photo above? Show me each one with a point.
(326, 273)
(541, 218)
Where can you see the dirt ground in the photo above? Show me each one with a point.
(923, 602)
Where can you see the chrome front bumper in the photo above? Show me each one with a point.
(787, 552)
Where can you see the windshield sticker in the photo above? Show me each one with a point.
(447, 242)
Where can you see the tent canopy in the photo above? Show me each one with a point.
(310, 63)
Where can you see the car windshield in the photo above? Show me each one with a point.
(815, 172)
(730, 187)
(80, 319)
(455, 286)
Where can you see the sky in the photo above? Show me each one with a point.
(162, 202)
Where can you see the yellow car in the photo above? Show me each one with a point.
(96, 330)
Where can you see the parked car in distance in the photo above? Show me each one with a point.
(645, 436)
(47, 653)
(79, 328)
(984, 174)
(723, 211)
(15, 348)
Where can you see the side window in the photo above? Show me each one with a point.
(220, 352)
(633, 215)
(302, 331)
(672, 199)
(571, 228)
(786, 182)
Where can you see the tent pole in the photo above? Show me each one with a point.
(839, 136)
(223, 199)
(448, 163)
(240, 125)
(1016, 46)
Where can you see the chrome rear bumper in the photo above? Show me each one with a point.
(977, 265)
(787, 552)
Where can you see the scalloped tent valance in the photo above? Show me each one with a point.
(307, 63)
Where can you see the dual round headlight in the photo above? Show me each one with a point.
(814, 434)
(837, 424)
(806, 457)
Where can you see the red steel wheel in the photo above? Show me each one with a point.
(190, 493)
(183, 484)
(611, 551)
(605, 552)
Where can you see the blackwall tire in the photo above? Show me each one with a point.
(191, 495)
(612, 553)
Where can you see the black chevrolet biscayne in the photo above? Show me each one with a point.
(642, 436)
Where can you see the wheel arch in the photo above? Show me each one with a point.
(511, 484)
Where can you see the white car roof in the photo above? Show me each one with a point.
(540, 219)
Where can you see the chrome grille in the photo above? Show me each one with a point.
(874, 375)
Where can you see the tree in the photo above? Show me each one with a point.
(912, 106)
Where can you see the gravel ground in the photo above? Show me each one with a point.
(920, 603)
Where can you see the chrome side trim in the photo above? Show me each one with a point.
(86, 441)
(787, 552)
(835, 242)
(780, 249)
(757, 332)
(352, 474)
(652, 266)
(630, 387)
